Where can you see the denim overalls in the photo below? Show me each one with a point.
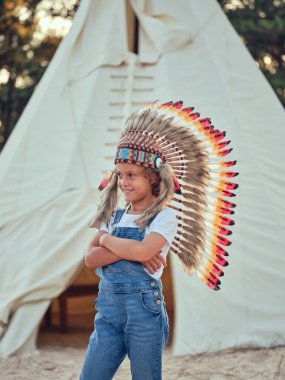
(131, 318)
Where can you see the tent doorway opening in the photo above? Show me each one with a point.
(74, 309)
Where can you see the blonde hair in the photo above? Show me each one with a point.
(109, 198)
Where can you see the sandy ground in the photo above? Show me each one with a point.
(60, 357)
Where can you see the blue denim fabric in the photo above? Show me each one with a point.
(131, 319)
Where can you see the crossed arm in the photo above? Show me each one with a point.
(106, 249)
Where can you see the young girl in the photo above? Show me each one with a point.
(159, 145)
(131, 317)
(129, 252)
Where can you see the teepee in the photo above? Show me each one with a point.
(65, 141)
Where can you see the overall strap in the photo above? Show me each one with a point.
(118, 216)
(151, 220)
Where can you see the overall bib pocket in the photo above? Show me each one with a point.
(123, 266)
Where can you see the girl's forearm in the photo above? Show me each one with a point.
(99, 257)
(127, 249)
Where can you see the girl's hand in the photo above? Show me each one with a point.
(155, 263)
(102, 238)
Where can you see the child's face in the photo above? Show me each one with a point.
(133, 182)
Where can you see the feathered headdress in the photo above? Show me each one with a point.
(195, 150)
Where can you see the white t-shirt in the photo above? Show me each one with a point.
(165, 223)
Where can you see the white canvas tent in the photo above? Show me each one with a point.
(65, 139)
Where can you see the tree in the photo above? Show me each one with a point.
(27, 45)
(261, 25)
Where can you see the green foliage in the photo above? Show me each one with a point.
(25, 51)
(261, 24)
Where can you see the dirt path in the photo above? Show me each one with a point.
(60, 358)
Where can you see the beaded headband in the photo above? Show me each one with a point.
(195, 150)
(138, 157)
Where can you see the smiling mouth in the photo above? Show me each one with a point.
(126, 191)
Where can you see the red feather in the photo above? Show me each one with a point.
(104, 183)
